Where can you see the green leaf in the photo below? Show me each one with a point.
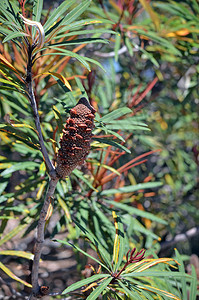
(58, 118)
(77, 42)
(80, 250)
(117, 113)
(94, 62)
(129, 46)
(80, 24)
(154, 37)
(76, 12)
(131, 188)
(94, 295)
(130, 292)
(83, 32)
(101, 251)
(37, 10)
(81, 176)
(127, 124)
(81, 87)
(82, 283)
(64, 52)
(56, 14)
(36, 14)
(69, 95)
(13, 35)
(193, 286)
(117, 45)
(112, 143)
(138, 227)
(27, 165)
(158, 291)
(10, 83)
(10, 11)
(182, 270)
(135, 211)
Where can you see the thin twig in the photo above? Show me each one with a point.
(50, 167)
(40, 236)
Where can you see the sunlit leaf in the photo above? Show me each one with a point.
(94, 295)
(83, 282)
(12, 275)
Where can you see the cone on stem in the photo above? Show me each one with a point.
(76, 139)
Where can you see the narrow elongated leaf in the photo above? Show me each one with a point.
(151, 12)
(101, 251)
(138, 227)
(112, 143)
(117, 113)
(135, 211)
(118, 249)
(130, 292)
(12, 275)
(27, 165)
(76, 12)
(80, 175)
(158, 291)
(83, 282)
(14, 35)
(94, 62)
(17, 253)
(65, 208)
(183, 279)
(57, 13)
(94, 295)
(156, 274)
(81, 87)
(80, 250)
(193, 286)
(14, 232)
(9, 83)
(7, 63)
(127, 122)
(117, 45)
(116, 246)
(148, 263)
(37, 10)
(70, 54)
(58, 118)
(131, 188)
(84, 32)
(153, 36)
(79, 41)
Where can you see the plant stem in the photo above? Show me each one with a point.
(51, 187)
(49, 165)
(40, 236)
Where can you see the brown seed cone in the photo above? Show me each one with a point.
(76, 139)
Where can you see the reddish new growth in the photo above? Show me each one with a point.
(134, 257)
(76, 139)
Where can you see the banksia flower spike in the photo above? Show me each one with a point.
(76, 139)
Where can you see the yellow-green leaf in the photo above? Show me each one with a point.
(17, 253)
(12, 275)
(151, 12)
(116, 247)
